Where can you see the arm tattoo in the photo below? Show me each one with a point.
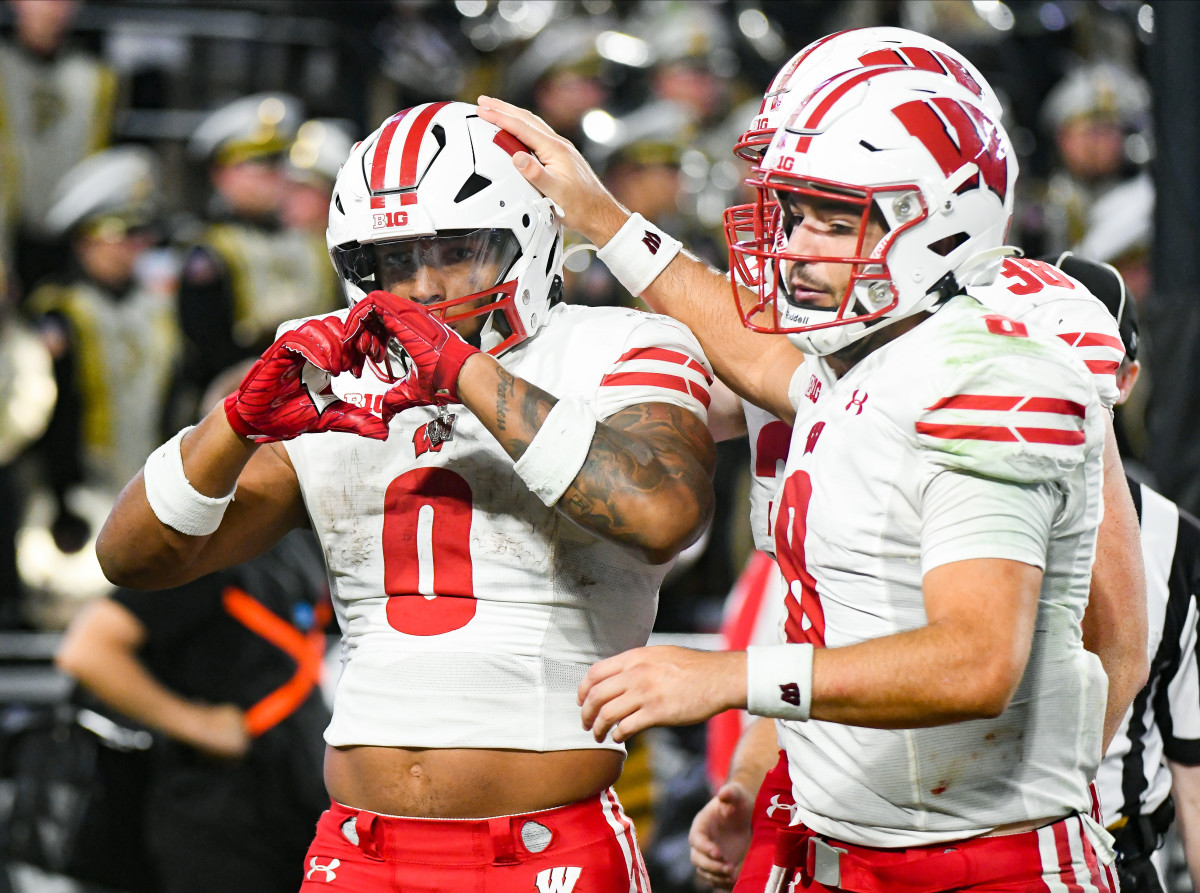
(647, 479)
(652, 454)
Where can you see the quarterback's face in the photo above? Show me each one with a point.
(826, 228)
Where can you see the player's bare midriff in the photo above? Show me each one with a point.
(464, 783)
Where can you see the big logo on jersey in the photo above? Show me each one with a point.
(956, 135)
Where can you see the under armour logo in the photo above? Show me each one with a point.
(653, 241)
(814, 389)
(857, 401)
(330, 874)
(776, 805)
(432, 435)
(813, 433)
(790, 692)
(558, 880)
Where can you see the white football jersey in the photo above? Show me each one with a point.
(1029, 291)
(955, 441)
(469, 610)
(1037, 293)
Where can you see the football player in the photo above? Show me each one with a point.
(1027, 290)
(499, 482)
(946, 617)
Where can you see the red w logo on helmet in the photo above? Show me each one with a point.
(956, 134)
(926, 60)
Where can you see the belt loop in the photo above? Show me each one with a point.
(365, 824)
(504, 851)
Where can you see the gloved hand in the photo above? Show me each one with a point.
(287, 392)
(436, 351)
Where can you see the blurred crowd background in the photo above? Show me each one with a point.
(166, 167)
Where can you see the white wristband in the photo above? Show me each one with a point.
(779, 680)
(558, 450)
(638, 253)
(174, 500)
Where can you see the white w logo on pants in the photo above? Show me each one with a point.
(558, 880)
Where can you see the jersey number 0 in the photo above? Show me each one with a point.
(427, 552)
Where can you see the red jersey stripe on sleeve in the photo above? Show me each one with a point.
(1091, 339)
(657, 380)
(664, 355)
(996, 402)
(1002, 435)
(1102, 367)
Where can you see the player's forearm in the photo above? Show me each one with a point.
(756, 366)
(926, 677)
(134, 546)
(757, 752)
(651, 490)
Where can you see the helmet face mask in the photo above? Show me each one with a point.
(430, 208)
(908, 149)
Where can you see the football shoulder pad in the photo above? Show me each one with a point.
(1006, 401)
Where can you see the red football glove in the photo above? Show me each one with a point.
(437, 352)
(287, 392)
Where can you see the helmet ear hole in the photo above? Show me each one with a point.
(946, 245)
(337, 203)
(525, 220)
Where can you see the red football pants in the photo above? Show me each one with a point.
(1057, 857)
(585, 847)
(773, 809)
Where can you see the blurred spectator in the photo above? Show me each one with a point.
(58, 108)
(312, 167)
(1098, 116)
(226, 668)
(27, 397)
(561, 75)
(245, 272)
(109, 324)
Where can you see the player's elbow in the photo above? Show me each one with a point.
(990, 688)
(676, 524)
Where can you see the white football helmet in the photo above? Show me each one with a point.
(913, 146)
(847, 50)
(435, 178)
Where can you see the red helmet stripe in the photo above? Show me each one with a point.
(412, 144)
(382, 148)
(834, 95)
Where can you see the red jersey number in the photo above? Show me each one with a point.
(427, 552)
(1031, 276)
(806, 617)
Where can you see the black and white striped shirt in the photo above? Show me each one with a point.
(1164, 720)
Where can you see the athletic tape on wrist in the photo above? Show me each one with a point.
(779, 680)
(173, 499)
(638, 253)
(558, 450)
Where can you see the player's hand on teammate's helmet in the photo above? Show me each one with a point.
(287, 392)
(436, 351)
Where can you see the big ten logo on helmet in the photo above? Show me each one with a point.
(386, 219)
(956, 135)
